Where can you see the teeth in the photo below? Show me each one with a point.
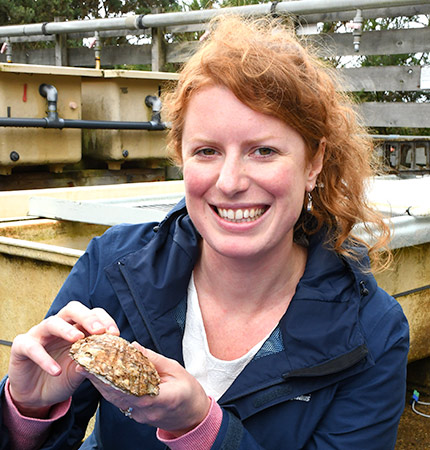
(241, 215)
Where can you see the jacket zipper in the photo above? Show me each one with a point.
(334, 366)
(124, 273)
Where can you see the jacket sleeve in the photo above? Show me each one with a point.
(68, 431)
(234, 436)
(366, 409)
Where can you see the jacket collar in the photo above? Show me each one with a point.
(151, 283)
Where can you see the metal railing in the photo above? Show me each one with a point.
(134, 22)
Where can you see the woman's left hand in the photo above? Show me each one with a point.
(180, 406)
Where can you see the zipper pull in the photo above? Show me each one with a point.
(363, 289)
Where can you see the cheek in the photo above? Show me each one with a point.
(196, 181)
(285, 181)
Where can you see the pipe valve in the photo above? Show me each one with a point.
(50, 93)
(154, 102)
(357, 25)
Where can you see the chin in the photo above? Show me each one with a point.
(232, 249)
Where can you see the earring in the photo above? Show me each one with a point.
(309, 204)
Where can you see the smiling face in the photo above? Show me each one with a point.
(245, 175)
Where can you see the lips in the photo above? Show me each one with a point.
(239, 215)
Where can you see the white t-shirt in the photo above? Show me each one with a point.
(215, 375)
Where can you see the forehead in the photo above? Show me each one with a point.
(216, 106)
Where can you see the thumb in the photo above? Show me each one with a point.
(77, 375)
(162, 363)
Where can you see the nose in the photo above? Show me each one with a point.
(233, 177)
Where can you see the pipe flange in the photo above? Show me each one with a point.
(273, 12)
(139, 22)
(44, 29)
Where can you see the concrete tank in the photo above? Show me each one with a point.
(120, 95)
(19, 84)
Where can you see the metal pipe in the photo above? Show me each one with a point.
(97, 50)
(8, 51)
(154, 102)
(53, 121)
(82, 124)
(50, 93)
(297, 7)
(357, 32)
(72, 26)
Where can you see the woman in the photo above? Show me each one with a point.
(254, 284)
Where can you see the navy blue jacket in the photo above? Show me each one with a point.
(330, 376)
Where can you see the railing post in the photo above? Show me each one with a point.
(158, 50)
(60, 47)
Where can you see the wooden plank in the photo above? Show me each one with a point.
(110, 56)
(177, 53)
(192, 28)
(158, 54)
(60, 47)
(44, 56)
(344, 16)
(50, 70)
(382, 78)
(398, 114)
(385, 42)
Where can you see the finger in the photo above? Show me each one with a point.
(55, 326)
(93, 321)
(26, 347)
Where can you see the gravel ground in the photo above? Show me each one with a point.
(414, 430)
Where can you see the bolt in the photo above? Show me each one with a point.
(125, 153)
(14, 156)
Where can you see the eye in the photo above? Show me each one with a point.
(264, 151)
(206, 152)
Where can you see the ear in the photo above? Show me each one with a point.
(315, 166)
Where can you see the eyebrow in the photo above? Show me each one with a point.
(260, 140)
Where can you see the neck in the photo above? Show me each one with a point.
(250, 284)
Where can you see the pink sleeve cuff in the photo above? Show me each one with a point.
(27, 432)
(201, 437)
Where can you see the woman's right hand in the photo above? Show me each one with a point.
(41, 372)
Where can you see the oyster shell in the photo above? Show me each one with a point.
(116, 362)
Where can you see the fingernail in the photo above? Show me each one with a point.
(97, 326)
(75, 333)
(80, 369)
(55, 370)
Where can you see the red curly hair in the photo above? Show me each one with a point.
(268, 69)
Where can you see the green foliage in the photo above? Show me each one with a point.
(30, 11)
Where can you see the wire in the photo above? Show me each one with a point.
(419, 412)
(416, 401)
